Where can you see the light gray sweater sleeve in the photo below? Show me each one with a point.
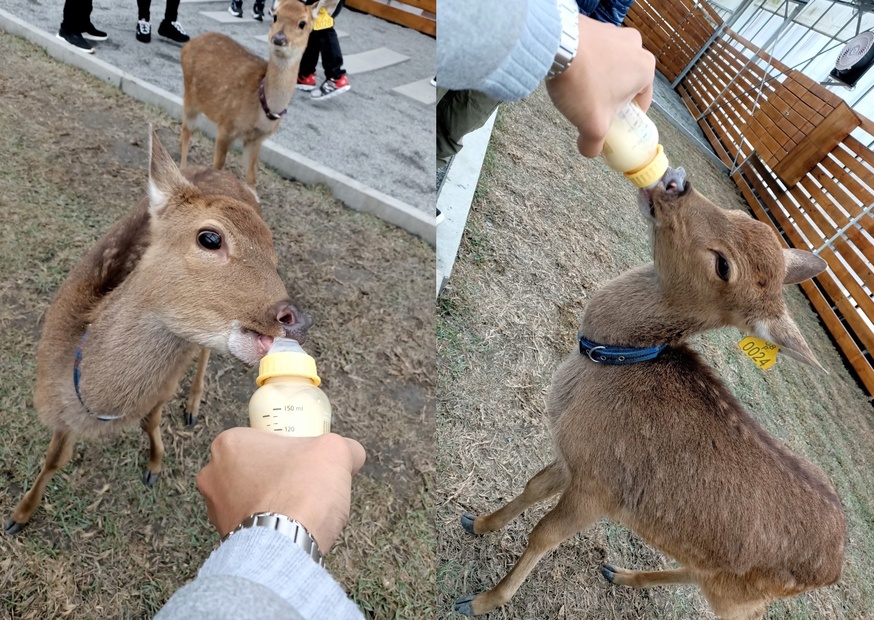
(503, 48)
(253, 575)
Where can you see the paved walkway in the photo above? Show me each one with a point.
(380, 133)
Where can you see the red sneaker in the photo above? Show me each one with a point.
(331, 88)
(306, 82)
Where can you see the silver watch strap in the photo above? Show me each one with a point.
(290, 528)
(570, 35)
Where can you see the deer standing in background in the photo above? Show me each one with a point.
(244, 95)
(192, 266)
(661, 445)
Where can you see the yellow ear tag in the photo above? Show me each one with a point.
(323, 20)
(762, 352)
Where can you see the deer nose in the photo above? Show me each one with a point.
(279, 39)
(293, 322)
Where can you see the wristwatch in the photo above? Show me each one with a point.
(570, 36)
(291, 528)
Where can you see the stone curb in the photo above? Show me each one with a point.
(294, 166)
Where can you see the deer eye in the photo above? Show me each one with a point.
(209, 240)
(722, 267)
(302, 25)
(274, 18)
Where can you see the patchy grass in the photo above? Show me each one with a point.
(102, 545)
(546, 228)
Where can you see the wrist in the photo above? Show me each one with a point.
(568, 40)
(287, 526)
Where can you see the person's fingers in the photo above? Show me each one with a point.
(644, 97)
(589, 147)
(358, 455)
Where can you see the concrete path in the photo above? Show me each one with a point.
(380, 133)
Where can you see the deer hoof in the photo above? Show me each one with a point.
(467, 520)
(11, 527)
(463, 606)
(149, 479)
(190, 420)
(609, 572)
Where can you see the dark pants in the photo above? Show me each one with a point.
(458, 113)
(326, 43)
(170, 13)
(77, 16)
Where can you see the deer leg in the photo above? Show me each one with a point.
(572, 513)
(547, 482)
(250, 160)
(152, 425)
(646, 579)
(222, 144)
(192, 407)
(184, 139)
(59, 453)
(732, 598)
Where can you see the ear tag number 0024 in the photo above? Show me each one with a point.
(762, 352)
(323, 20)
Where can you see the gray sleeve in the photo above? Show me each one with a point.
(268, 562)
(503, 48)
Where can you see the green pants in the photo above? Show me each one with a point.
(458, 113)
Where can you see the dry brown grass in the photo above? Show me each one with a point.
(72, 160)
(546, 228)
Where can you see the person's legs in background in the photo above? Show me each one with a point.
(336, 81)
(76, 25)
(306, 74)
(458, 113)
(144, 26)
(170, 27)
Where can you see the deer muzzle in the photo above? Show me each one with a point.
(294, 323)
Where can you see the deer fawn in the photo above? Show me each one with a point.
(244, 95)
(192, 266)
(661, 445)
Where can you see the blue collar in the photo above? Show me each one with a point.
(616, 356)
(76, 376)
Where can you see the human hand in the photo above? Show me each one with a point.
(304, 478)
(610, 69)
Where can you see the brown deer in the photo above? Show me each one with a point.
(244, 95)
(661, 445)
(192, 266)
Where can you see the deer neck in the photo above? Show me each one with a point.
(280, 81)
(129, 357)
(633, 311)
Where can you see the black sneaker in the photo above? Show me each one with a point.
(173, 31)
(144, 31)
(76, 40)
(258, 11)
(236, 8)
(93, 34)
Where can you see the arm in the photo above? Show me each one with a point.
(503, 48)
(260, 573)
(251, 471)
(506, 48)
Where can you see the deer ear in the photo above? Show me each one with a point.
(801, 266)
(785, 333)
(165, 180)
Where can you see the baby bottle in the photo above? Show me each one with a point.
(632, 147)
(288, 400)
